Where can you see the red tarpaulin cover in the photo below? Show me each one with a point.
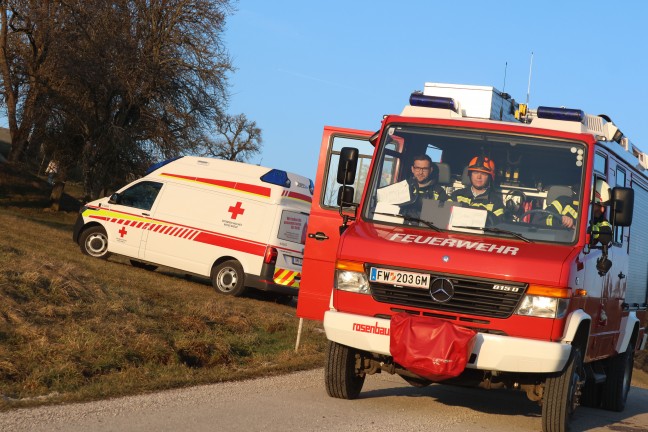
(430, 347)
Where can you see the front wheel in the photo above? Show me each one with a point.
(619, 375)
(343, 381)
(561, 395)
(228, 278)
(94, 242)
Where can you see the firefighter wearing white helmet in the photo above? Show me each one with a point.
(599, 225)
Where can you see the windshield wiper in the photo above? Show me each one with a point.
(411, 219)
(496, 230)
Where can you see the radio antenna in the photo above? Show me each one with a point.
(529, 87)
(503, 92)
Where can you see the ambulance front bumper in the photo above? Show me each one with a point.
(490, 352)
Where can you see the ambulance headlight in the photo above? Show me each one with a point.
(543, 307)
(350, 276)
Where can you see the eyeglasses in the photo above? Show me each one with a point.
(420, 169)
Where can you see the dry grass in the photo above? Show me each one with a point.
(74, 328)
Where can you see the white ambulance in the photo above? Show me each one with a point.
(241, 225)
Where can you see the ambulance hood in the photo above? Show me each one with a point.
(453, 253)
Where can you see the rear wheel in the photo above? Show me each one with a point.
(561, 395)
(340, 374)
(619, 376)
(94, 242)
(228, 278)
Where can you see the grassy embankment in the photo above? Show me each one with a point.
(74, 328)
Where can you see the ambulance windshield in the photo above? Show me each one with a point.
(487, 183)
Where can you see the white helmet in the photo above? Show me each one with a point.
(602, 193)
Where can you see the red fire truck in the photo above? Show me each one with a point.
(528, 293)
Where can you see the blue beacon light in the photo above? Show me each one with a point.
(565, 114)
(276, 177)
(419, 99)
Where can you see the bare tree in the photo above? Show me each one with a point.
(25, 40)
(126, 83)
(237, 138)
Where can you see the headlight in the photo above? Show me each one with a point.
(543, 307)
(352, 281)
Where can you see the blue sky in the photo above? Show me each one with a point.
(302, 65)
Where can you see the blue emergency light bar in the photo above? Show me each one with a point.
(419, 99)
(161, 164)
(276, 177)
(564, 114)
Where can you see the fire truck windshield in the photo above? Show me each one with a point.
(484, 183)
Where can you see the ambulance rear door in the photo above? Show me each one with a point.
(291, 237)
(324, 222)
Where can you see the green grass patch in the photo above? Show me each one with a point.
(74, 328)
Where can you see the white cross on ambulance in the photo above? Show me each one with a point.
(241, 225)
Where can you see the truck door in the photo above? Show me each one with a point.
(324, 222)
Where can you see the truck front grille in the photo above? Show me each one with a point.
(479, 297)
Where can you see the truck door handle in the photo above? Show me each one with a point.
(146, 214)
(318, 236)
(621, 275)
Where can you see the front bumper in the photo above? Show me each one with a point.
(490, 352)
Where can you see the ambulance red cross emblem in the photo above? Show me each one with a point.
(236, 210)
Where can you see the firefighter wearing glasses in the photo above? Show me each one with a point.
(479, 194)
(423, 184)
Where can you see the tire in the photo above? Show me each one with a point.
(561, 395)
(94, 242)
(340, 376)
(619, 375)
(228, 278)
(142, 265)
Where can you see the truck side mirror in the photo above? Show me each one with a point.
(622, 206)
(345, 196)
(347, 165)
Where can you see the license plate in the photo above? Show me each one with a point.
(297, 261)
(397, 277)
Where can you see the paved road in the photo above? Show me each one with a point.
(298, 402)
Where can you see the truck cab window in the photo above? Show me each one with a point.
(330, 193)
(527, 186)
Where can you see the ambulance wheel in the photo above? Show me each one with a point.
(94, 242)
(228, 278)
(617, 384)
(561, 394)
(340, 375)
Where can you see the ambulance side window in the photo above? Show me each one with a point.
(141, 196)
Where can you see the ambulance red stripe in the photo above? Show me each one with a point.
(231, 243)
(243, 187)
